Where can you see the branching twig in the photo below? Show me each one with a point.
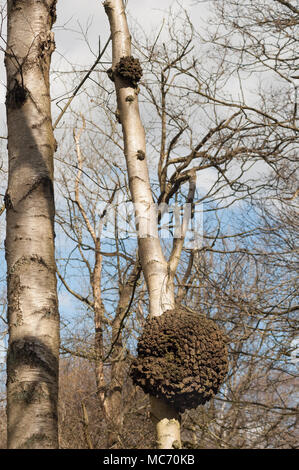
(82, 83)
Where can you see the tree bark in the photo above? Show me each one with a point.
(33, 352)
(167, 421)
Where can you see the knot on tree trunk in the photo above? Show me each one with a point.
(17, 96)
(182, 359)
(129, 69)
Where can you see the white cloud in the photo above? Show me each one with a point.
(65, 301)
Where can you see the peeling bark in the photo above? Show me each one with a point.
(168, 424)
(32, 360)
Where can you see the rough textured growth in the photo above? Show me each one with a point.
(182, 358)
(129, 69)
(140, 155)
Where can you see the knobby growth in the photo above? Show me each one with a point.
(182, 359)
(129, 69)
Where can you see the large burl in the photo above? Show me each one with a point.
(182, 359)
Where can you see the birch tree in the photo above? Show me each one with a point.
(159, 273)
(32, 360)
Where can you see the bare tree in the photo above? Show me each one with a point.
(90, 189)
(158, 273)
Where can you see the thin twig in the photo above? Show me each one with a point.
(81, 83)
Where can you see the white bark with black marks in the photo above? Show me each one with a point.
(33, 352)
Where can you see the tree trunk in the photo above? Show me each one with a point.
(157, 271)
(154, 265)
(33, 352)
(167, 421)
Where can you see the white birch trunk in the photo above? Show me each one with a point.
(33, 352)
(154, 265)
(156, 270)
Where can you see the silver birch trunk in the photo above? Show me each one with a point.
(33, 352)
(157, 271)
